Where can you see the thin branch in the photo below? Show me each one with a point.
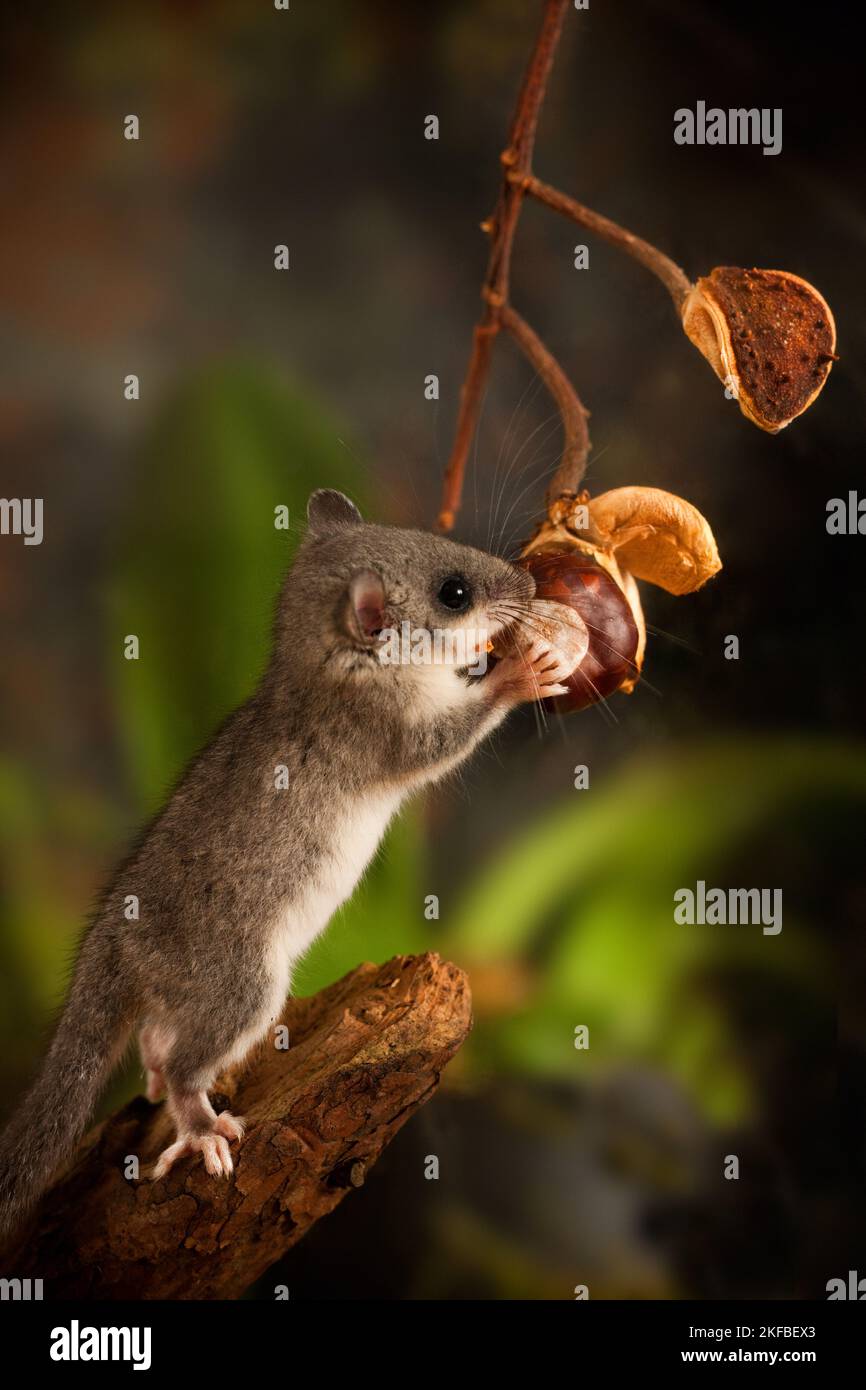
(574, 415)
(501, 226)
(675, 280)
(519, 182)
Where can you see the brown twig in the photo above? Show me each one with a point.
(501, 226)
(675, 280)
(519, 182)
(574, 416)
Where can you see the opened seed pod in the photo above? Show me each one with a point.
(586, 557)
(768, 335)
(655, 536)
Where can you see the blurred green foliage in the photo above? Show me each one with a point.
(50, 832)
(200, 559)
(587, 897)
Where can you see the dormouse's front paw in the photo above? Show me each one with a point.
(536, 673)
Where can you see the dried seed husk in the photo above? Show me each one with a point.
(769, 336)
(629, 533)
(656, 536)
(632, 593)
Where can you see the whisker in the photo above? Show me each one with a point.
(534, 481)
(504, 469)
(549, 424)
(601, 704)
(672, 637)
(533, 511)
(497, 489)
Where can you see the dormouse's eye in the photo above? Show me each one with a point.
(455, 593)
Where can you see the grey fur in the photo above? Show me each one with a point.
(230, 856)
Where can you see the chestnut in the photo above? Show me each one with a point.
(572, 576)
(588, 554)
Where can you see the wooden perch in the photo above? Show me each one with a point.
(363, 1055)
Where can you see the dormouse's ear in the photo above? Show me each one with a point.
(328, 508)
(365, 607)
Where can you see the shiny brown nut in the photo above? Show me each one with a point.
(577, 579)
(587, 556)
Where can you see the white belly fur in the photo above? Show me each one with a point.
(356, 842)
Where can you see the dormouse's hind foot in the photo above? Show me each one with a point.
(199, 1130)
(213, 1146)
(214, 1149)
(229, 1126)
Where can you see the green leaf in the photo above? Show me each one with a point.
(586, 897)
(200, 560)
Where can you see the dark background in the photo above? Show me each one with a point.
(557, 1167)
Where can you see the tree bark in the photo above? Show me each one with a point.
(364, 1054)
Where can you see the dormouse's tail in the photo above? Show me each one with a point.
(90, 1037)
